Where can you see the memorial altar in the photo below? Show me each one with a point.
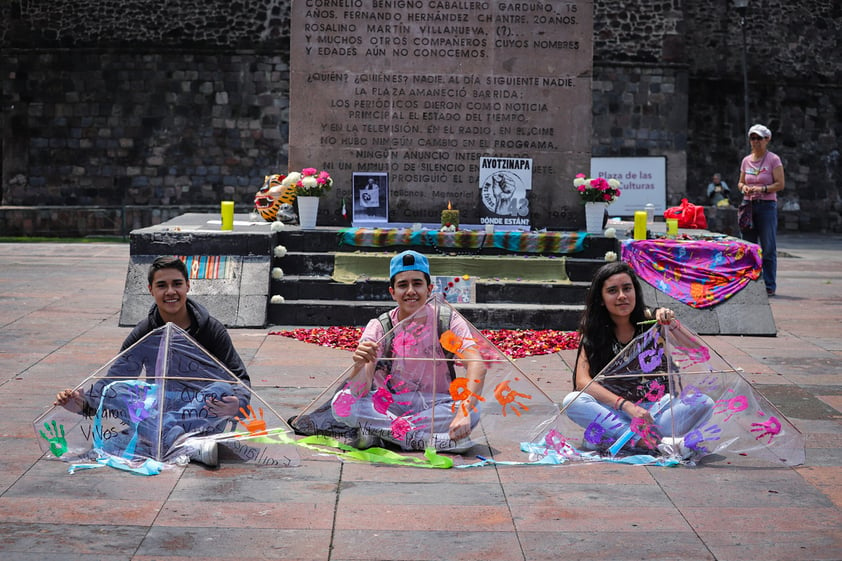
(466, 241)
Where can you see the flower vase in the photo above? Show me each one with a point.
(595, 217)
(308, 209)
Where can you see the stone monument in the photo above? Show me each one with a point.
(423, 90)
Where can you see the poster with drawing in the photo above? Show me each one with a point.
(503, 185)
(371, 198)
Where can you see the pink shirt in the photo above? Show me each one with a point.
(414, 340)
(760, 173)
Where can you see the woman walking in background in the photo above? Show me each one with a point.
(761, 178)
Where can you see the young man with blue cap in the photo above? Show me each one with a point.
(397, 392)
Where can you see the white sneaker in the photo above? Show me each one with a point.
(674, 446)
(205, 451)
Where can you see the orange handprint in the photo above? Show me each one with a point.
(506, 395)
(256, 426)
(459, 392)
(451, 342)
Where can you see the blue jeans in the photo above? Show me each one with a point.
(603, 425)
(765, 217)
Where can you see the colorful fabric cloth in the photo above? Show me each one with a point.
(525, 242)
(699, 273)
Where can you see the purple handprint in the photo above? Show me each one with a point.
(136, 404)
(595, 432)
(650, 359)
(694, 438)
(770, 428)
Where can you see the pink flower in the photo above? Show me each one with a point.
(582, 175)
(309, 171)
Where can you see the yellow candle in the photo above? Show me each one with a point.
(450, 216)
(640, 225)
(227, 211)
(672, 227)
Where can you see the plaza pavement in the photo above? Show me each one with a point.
(58, 318)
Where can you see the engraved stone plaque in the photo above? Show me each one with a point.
(423, 89)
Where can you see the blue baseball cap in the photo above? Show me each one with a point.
(408, 261)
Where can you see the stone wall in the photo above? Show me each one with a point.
(142, 102)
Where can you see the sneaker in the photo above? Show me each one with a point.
(674, 446)
(365, 440)
(770, 292)
(205, 451)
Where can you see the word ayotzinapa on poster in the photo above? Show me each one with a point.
(503, 185)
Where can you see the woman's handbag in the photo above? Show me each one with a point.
(744, 219)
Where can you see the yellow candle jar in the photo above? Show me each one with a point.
(450, 216)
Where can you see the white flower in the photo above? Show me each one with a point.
(277, 299)
(280, 251)
(610, 233)
(578, 181)
(309, 182)
(293, 178)
(610, 256)
(277, 226)
(277, 273)
(615, 184)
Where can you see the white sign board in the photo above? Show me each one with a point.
(642, 181)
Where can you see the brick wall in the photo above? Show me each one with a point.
(161, 104)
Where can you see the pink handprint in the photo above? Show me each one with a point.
(656, 391)
(343, 402)
(405, 424)
(556, 441)
(646, 431)
(689, 356)
(770, 428)
(383, 398)
(734, 405)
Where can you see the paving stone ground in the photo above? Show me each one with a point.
(59, 317)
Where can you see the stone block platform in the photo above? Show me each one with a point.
(327, 281)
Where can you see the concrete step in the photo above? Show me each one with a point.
(302, 287)
(483, 316)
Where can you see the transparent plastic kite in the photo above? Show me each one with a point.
(155, 403)
(700, 405)
(434, 370)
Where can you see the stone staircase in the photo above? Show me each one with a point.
(313, 298)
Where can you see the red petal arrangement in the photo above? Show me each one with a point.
(515, 343)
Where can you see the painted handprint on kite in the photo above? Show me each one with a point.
(403, 425)
(695, 438)
(254, 424)
(595, 432)
(136, 403)
(383, 398)
(770, 428)
(734, 405)
(55, 436)
(647, 432)
(459, 392)
(693, 394)
(506, 396)
(690, 356)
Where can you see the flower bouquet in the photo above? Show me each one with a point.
(598, 190)
(310, 182)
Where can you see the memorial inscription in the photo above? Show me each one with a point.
(423, 89)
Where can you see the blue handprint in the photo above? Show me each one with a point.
(694, 438)
(55, 436)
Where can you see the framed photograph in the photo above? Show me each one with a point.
(371, 198)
